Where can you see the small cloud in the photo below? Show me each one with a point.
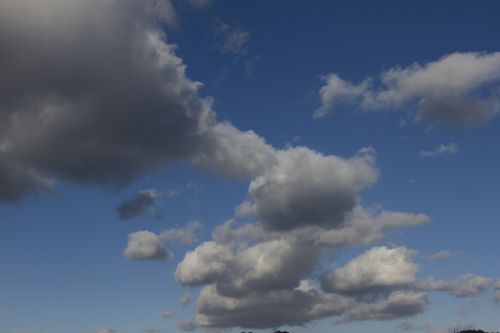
(442, 149)
(145, 245)
(186, 299)
(106, 330)
(444, 255)
(187, 325)
(139, 204)
(184, 235)
(233, 39)
(167, 314)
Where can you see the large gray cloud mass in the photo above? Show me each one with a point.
(90, 91)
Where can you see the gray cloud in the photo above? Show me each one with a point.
(233, 39)
(381, 269)
(106, 330)
(459, 89)
(466, 285)
(442, 149)
(496, 296)
(186, 235)
(187, 325)
(82, 102)
(167, 314)
(399, 304)
(145, 245)
(139, 204)
(455, 327)
(186, 299)
(308, 188)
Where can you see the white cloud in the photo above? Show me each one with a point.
(204, 265)
(458, 89)
(145, 245)
(466, 285)
(381, 269)
(442, 149)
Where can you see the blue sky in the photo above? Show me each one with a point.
(314, 167)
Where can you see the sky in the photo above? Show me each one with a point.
(228, 166)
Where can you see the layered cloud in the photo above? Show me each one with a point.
(459, 89)
(467, 285)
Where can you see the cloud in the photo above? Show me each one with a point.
(444, 255)
(453, 328)
(259, 262)
(496, 297)
(233, 39)
(466, 285)
(458, 89)
(187, 325)
(106, 330)
(184, 235)
(186, 299)
(379, 270)
(139, 204)
(442, 149)
(399, 304)
(201, 4)
(308, 188)
(336, 91)
(145, 245)
(81, 103)
(203, 265)
(167, 314)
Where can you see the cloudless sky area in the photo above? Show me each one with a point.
(63, 266)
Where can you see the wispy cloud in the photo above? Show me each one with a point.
(442, 149)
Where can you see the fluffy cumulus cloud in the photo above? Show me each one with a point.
(442, 149)
(145, 245)
(97, 95)
(305, 187)
(300, 206)
(139, 204)
(380, 269)
(467, 285)
(459, 89)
